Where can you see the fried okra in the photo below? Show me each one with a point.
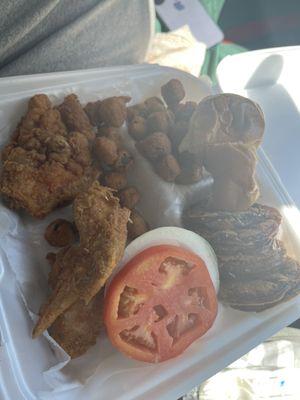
(106, 149)
(155, 146)
(129, 197)
(173, 92)
(168, 168)
(60, 233)
(137, 128)
(115, 180)
(136, 226)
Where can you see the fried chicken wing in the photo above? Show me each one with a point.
(101, 224)
(44, 165)
(77, 329)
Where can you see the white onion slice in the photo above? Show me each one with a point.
(174, 236)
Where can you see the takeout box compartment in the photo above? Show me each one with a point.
(114, 376)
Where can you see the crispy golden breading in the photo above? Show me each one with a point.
(44, 166)
(77, 329)
(101, 224)
(74, 116)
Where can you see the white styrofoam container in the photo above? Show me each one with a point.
(233, 334)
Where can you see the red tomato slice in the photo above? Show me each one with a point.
(159, 303)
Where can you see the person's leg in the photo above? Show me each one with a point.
(62, 35)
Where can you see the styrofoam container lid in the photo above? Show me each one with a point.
(23, 361)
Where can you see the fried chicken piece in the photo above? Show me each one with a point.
(44, 166)
(86, 266)
(74, 116)
(77, 329)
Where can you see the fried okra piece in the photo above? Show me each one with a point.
(115, 180)
(155, 146)
(123, 162)
(178, 131)
(60, 233)
(138, 110)
(136, 226)
(137, 127)
(111, 133)
(173, 92)
(168, 168)
(129, 197)
(191, 168)
(160, 121)
(112, 111)
(106, 149)
(185, 111)
(91, 109)
(154, 104)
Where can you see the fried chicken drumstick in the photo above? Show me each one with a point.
(45, 164)
(85, 267)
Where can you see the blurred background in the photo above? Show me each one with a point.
(247, 25)
(259, 24)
